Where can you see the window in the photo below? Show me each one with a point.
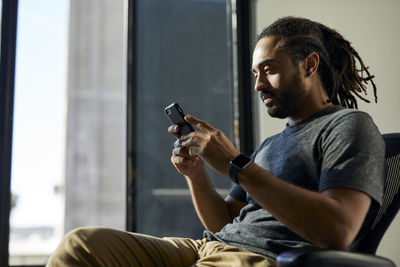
(182, 53)
(70, 115)
(68, 167)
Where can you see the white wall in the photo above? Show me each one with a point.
(373, 29)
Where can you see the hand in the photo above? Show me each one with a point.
(210, 144)
(187, 165)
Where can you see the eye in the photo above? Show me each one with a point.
(268, 69)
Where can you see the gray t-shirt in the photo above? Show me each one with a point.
(335, 147)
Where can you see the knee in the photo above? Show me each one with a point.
(76, 247)
(83, 238)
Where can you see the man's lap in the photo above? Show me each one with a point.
(97, 246)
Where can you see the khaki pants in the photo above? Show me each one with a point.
(107, 247)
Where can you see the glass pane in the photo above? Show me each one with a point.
(68, 165)
(182, 56)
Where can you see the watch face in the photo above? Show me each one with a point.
(241, 160)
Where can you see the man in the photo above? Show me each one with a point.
(319, 182)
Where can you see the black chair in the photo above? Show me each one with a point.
(362, 252)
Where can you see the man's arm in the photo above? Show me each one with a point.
(213, 211)
(329, 219)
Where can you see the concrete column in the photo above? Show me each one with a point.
(95, 151)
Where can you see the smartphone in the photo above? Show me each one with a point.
(175, 114)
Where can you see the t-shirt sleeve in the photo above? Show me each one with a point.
(238, 193)
(353, 155)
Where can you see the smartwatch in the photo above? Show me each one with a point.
(236, 165)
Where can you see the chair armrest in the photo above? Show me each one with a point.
(329, 258)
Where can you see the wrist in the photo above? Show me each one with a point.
(197, 175)
(237, 165)
(250, 171)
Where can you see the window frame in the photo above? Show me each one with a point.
(245, 99)
(8, 49)
(7, 75)
(130, 125)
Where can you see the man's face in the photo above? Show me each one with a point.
(277, 79)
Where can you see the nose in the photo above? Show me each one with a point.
(261, 82)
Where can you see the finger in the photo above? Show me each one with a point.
(202, 125)
(174, 130)
(194, 151)
(192, 139)
(177, 143)
(184, 162)
(179, 161)
(181, 151)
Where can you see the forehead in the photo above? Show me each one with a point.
(266, 49)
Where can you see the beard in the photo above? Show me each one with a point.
(287, 100)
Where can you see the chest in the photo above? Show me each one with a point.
(295, 159)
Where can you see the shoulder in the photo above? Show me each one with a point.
(352, 133)
(345, 123)
(347, 116)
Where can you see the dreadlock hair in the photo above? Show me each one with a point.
(337, 69)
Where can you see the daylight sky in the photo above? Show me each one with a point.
(39, 112)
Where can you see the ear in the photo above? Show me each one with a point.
(311, 63)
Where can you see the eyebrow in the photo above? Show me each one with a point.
(265, 62)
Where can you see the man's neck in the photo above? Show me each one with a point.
(292, 120)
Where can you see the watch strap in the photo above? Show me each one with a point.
(236, 165)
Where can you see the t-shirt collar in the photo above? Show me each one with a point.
(323, 112)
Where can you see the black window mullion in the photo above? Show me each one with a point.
(7, 74)
(246, 135)
(131, 122)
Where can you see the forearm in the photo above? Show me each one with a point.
(314, 216)
(211, 208)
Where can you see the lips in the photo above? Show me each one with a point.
(266, 97)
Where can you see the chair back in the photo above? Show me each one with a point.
(391, 198)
